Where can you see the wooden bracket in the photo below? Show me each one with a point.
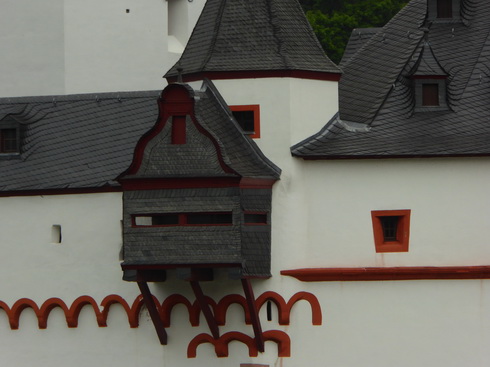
(254, 315)
(206, 310)
(152, 309)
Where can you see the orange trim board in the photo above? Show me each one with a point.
(393, 273)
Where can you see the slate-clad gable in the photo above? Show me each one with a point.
(379, 115)
(254, 35)
(215, 170)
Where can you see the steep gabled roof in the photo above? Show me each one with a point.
(216, 146)
(367, 79)
(378, 114)
(358, 38)
(252, 35)
(75, 141)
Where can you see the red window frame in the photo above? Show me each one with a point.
(400, 244)
(183, 219)
(255, 108)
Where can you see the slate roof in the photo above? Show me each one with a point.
(358, 38)
(198, 157)
(239, 151)
(378, 115)
(75, 141)
(252, 35)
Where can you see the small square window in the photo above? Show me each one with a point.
(391, 230)
(430, 94)
(248, 117)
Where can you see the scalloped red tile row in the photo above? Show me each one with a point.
(165, 308)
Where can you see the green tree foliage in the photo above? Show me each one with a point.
(334, 20)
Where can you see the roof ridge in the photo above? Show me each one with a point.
(482, 46)
(78, 97)
(275, 29)
(387, 95)
(217, 27)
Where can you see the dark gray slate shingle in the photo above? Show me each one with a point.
(253, 35)
(378, 114)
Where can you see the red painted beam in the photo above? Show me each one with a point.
(152, 309)
(394, 273)
(206, 310)
(254, 315)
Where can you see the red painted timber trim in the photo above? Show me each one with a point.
(175, 266)
(394, 156)
(164, 309)
(380, 274)
(206, 310)
(176, 100)
(151, 305)
(195, 182)
(254, 314)
(220, 75)
(89, 190)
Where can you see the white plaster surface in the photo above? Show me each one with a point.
(70, 47)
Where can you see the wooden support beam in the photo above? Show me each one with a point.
(152, 309)
(206, 310)
(254, 315)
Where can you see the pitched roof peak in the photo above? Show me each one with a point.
(252, 36)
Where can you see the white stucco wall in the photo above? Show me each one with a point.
(439, 323)
(69, 46)
(31, 38)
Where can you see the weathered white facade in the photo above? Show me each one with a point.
(68, 246)
(69, 47)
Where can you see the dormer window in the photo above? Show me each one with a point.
(9, 136)
(430, 94)
(444, 8)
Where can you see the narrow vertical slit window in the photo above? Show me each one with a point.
(269, 311)
(56, 236)
(178, 130)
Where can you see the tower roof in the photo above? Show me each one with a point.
(264, 36)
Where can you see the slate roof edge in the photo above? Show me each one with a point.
(255, 74)
(295, 149)
(79, 97)
(208, 84)
(389, 156)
